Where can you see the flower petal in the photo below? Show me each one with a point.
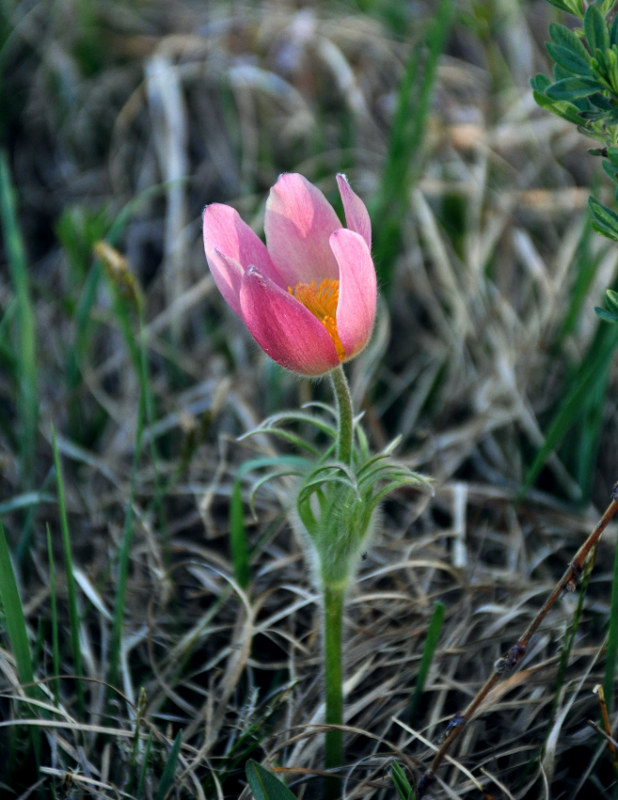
(297, 224)
(356, 214)
(231, 246)
(284, 328)
(356, 309)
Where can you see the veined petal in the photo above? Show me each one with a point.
(356, 214)
(225, 233)
(356, 309)
(227, 274)
(297, 224)
(284, 328)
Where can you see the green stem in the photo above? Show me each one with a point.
(345, 414)
(333, 681)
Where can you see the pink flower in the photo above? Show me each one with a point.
(308, 297)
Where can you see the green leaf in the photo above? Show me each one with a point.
(611, 170)
(14, 615)
(540, 82)
(562, 108)
(431, 640)
(565, 37)
(572, 61)
(611, 300)
(238, 537)
(613, 32)
(612, 152)
(595, 29)
(570, 6)
(605, 315)
(604, 220)
(264, 785)
(572, 88)
(404, 790)
(167, 778)
(605, 6)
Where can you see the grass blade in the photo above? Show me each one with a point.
(54, 618)
(74, 620)
(612, 640)
(167, 778)
(14, 614)
(591, 376)
(431, 640)
(406, 139)
(238, 537)
(404, 790)
(26, 368)
(15, 622)
(264, 785)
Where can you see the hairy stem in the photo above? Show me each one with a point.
(333, 680)
(345, 414)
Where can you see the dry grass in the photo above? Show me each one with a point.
(123, 129)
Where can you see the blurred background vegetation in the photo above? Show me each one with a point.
(161, 665)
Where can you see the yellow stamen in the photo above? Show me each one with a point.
(322, 302)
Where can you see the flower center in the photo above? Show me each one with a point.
(322, 302)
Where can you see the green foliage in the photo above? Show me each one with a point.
(610, 313)
(404, 790)
(581, 406)
(431, 640)
(13, 615)
(238, 537)
(74, 617)
(584, 90)
(406, 138)
(169, 771)
(264, 785)
(14, 621)
(24, 366)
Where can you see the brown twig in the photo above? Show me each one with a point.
(514, 655)
(611, 742)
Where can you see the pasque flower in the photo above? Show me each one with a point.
(307, 296)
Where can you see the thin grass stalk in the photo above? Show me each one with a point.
(146, 757)
(592, 373)
(238, 538)
(14, 614)
(405, 143)
(431, 640)
(27, 396)
(612, 639)
(17, 631)
(125, 552)
(74, 620)
(54, 620)
(567, 646)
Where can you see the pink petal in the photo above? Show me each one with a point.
(231, 246)
(356, 309)
(356, 214)
(227, 274)
(284, 328)
(298, 222)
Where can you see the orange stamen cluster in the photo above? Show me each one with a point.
(322, 302)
